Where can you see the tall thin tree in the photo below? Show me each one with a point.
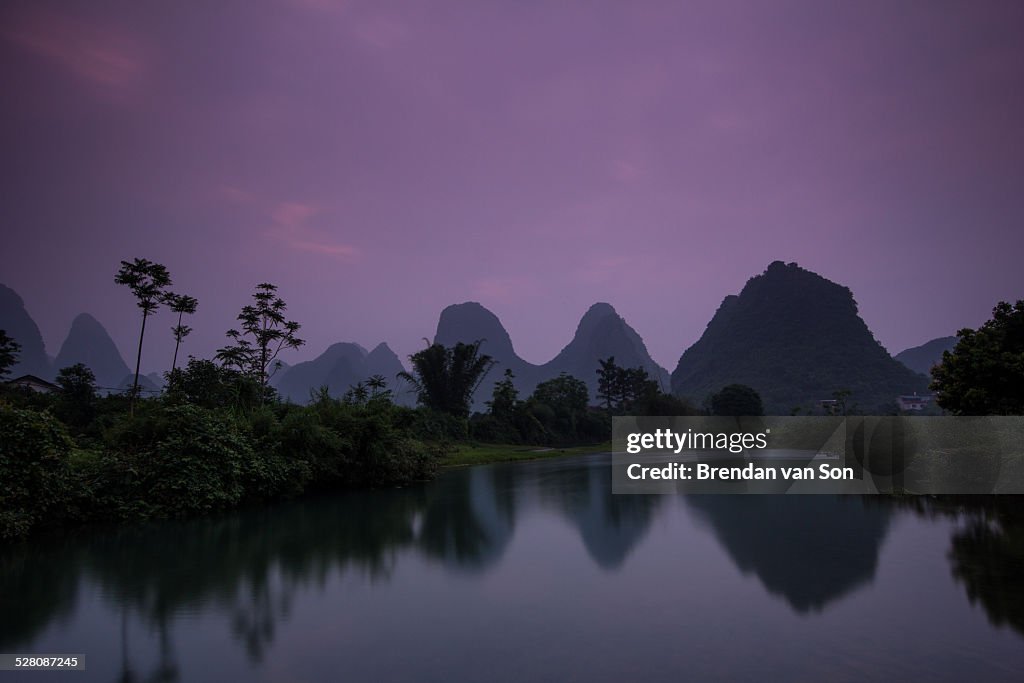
(180, 304)
(608, 380)
(148, 282)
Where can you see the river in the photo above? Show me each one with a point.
(526, 571)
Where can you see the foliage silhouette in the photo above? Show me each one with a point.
(445, 378)
(264, 334)
(181, 304)
(984, 374)
(9, 350)
(148, 282)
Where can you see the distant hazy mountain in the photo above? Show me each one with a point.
(922, 358)
(88, 343)
(383, 361)
(603, 333)
(15, 320)
(335, 367)
(795, 337)
(338, 368)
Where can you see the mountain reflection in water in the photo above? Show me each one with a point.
(253, 568)
(808, 549)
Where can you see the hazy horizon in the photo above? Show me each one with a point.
(380, 161)
(308, 352)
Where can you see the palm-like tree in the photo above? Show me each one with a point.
(180, 304)
(148, 281)
(445, 378)
(377, 384)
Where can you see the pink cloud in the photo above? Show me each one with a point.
(100, 55)
(291, 227)
(324, 248)
(292, 215)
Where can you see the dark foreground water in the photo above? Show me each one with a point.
(524, 572)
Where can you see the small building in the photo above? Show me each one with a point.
(913, 402)
(830, 406)
(33, 383)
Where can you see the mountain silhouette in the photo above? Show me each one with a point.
(339, 367)
(469, 322)
(603, 333)
(385, 362)
(922, 358)
(19, 326)
(796, 338)
(88, 343)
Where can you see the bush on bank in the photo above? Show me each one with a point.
(34, 469)
(174, 459)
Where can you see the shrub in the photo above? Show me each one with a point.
(34, 450)
(178, 460)
(432, 425)
(313, 450)
(492, 429)
(272, 472)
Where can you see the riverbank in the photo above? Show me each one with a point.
(467, 454)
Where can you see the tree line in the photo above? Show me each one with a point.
(219, 436)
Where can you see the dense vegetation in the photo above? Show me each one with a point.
(558, 411)
(219, 436)
(205, 445)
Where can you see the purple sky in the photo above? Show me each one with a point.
(380, 160)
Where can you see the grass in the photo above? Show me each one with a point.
(482, 453)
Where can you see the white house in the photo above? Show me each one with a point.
(915, 402)
(34, 383)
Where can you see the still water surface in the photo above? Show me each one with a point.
(528, 571)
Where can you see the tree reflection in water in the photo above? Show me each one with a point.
(467, 520)
(251, 565)
(987, 555)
